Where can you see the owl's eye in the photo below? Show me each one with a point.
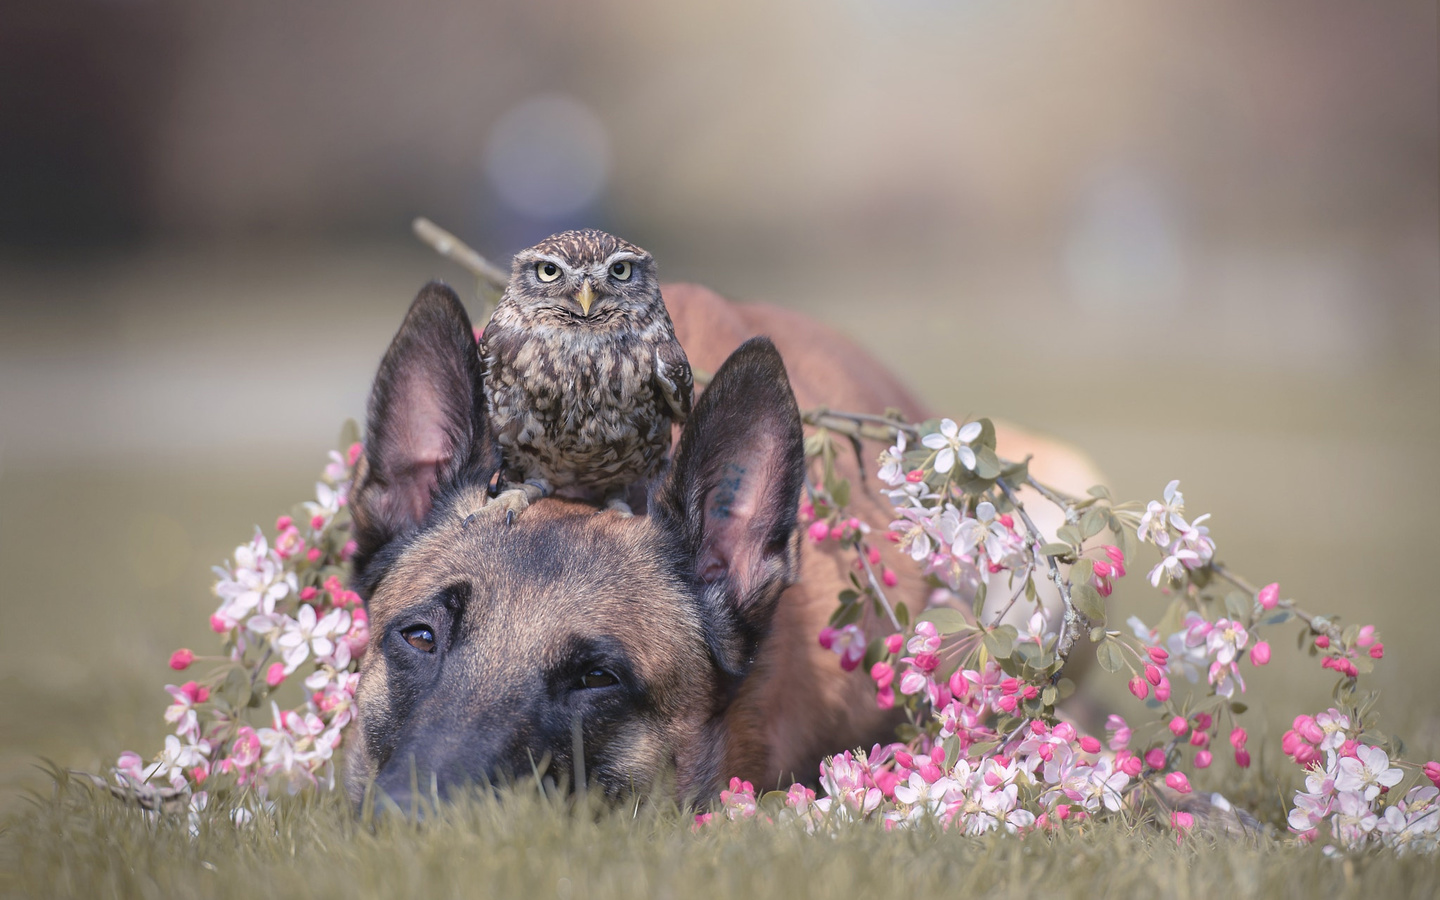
(547, 271)
(621, 271)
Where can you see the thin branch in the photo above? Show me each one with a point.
(1065, 502)
(1324, 627)
(1073, 622)
(1029, 570)
(879, 593)
(457, 251)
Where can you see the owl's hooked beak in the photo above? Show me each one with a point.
(585, 297)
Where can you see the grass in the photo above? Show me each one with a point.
(74, 843)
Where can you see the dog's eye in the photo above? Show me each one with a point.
(420, 637)
(597, 678)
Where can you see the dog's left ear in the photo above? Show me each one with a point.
(732, 494)
(426, 427)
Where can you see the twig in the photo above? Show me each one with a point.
(1029, 570)
(879, 593)
(1325, 627)
(1066, 503)
(456, 250)
(1073, 621)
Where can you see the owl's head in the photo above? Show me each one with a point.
(586, 273)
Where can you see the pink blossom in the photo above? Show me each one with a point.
(181, 659)
(275, 674)
(1202, 759)
(1179, 726)
(894, 642)
(289, 542)
(1155, 757)
(848, 642)
(1432, 772)
(1369, 772)
(1162, 690)
(1225, 640)
(1269, 596)
(1139, 688)
(1089, 744)
(1119, 732)
(1260, 654)
(1377, 651)
(889, 577)
(1131, 765)
(1366, 637)
(1242, 758)
(1178, 782)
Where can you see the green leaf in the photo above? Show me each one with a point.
(1070, 535)
(1110, 656)
(1049, 696)
(849, 596)
(978, 604)
(987, 464)
(1001, 641)
(1238, 605)
(813, 444)
(1238, 708)
(1066, 686)
(1097, 634)
(1089, 602)
(1279, 618)
(1093, 522)
(947, 620)
(1363, 664)
(902, 614)
(1082, 570)
(1099, 491)
(987, 434)
(1055, 548)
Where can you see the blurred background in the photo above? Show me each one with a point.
(1197, 240)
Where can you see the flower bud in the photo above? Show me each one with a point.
(1203, 759)
(819, 531)
(1089, 744)
(1131, 765)
(313, 554)
(1242, 758)
(1238, 737)
(1203, 721)
(1260, 654)
(894, 642)
(1178, 782)
(1322, 641)
(1116, 555)
(219, 624)
(317, 522)
(883, 674)
(1162, 690)
(1377, 651)
(1158, 655)
(1199, 738)
(1366, 637)
(889, 577)
(1178, 726)
(1432, 772)
(1182, 821)
(283, 523)
(959, 684)
(1155, 757)
(181, 659)
(1152, 674)
(1269, 596)
(1139, 688)
(275, 674)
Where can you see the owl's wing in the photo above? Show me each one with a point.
(673, 379)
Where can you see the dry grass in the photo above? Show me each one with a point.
(77, 844)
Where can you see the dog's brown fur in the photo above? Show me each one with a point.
(703, 610)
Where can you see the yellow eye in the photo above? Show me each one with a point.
(547, 271)
(620, 271)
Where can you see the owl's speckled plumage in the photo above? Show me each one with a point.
(582, 401)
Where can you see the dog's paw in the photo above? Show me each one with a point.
(620, 506)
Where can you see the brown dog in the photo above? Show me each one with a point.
(681, 640)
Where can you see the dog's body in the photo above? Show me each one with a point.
(684, 638)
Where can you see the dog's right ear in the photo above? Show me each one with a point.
(426, 425)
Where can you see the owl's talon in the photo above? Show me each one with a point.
(508, 504)
(619, 506)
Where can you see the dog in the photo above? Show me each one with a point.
(680, 641)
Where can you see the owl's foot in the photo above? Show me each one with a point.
(619, 505)
(514, 500)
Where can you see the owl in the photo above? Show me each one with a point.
(583, 374)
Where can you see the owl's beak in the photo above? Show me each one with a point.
(585, 297)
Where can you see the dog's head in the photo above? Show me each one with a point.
(494, 646)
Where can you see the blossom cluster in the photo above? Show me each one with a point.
(284, 617)
(983, 747)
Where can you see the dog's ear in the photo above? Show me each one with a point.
(426, 425)
(731, 497)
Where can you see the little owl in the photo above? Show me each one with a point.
(583, 374)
